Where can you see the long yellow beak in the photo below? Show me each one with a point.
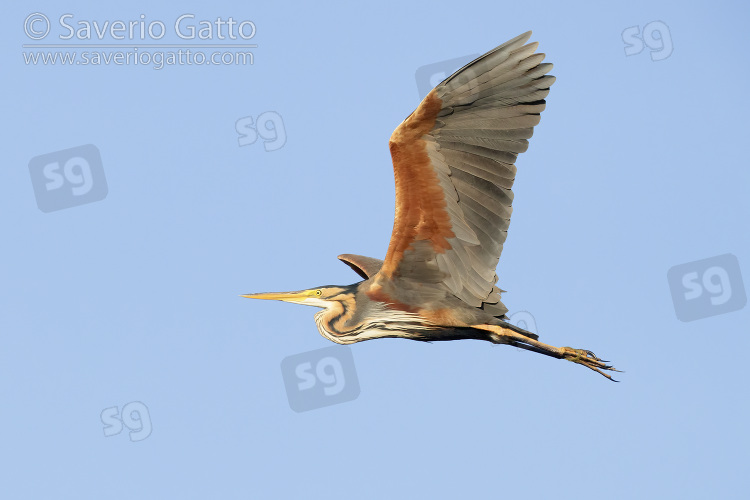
(285, 296)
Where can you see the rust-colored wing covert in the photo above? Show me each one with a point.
(453, 162)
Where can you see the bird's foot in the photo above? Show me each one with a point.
(589, 360)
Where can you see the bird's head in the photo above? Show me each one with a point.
(322, 296)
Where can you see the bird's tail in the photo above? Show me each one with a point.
(525, 333)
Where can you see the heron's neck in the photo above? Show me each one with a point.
(333, 321)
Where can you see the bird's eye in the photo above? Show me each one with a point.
(318, 293)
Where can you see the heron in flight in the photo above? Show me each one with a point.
(454, 165)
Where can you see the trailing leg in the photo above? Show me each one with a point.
(505, 335)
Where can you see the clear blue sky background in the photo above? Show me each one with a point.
(637, 166)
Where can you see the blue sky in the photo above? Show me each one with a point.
(130, 300)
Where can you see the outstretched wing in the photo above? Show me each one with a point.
(453, 161)
(364, 266)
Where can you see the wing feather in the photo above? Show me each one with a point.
(454, 166)
(364, 266)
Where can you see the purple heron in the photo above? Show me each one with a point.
(454, 165)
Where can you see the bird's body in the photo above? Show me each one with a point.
(454, 166)
(377, 308)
